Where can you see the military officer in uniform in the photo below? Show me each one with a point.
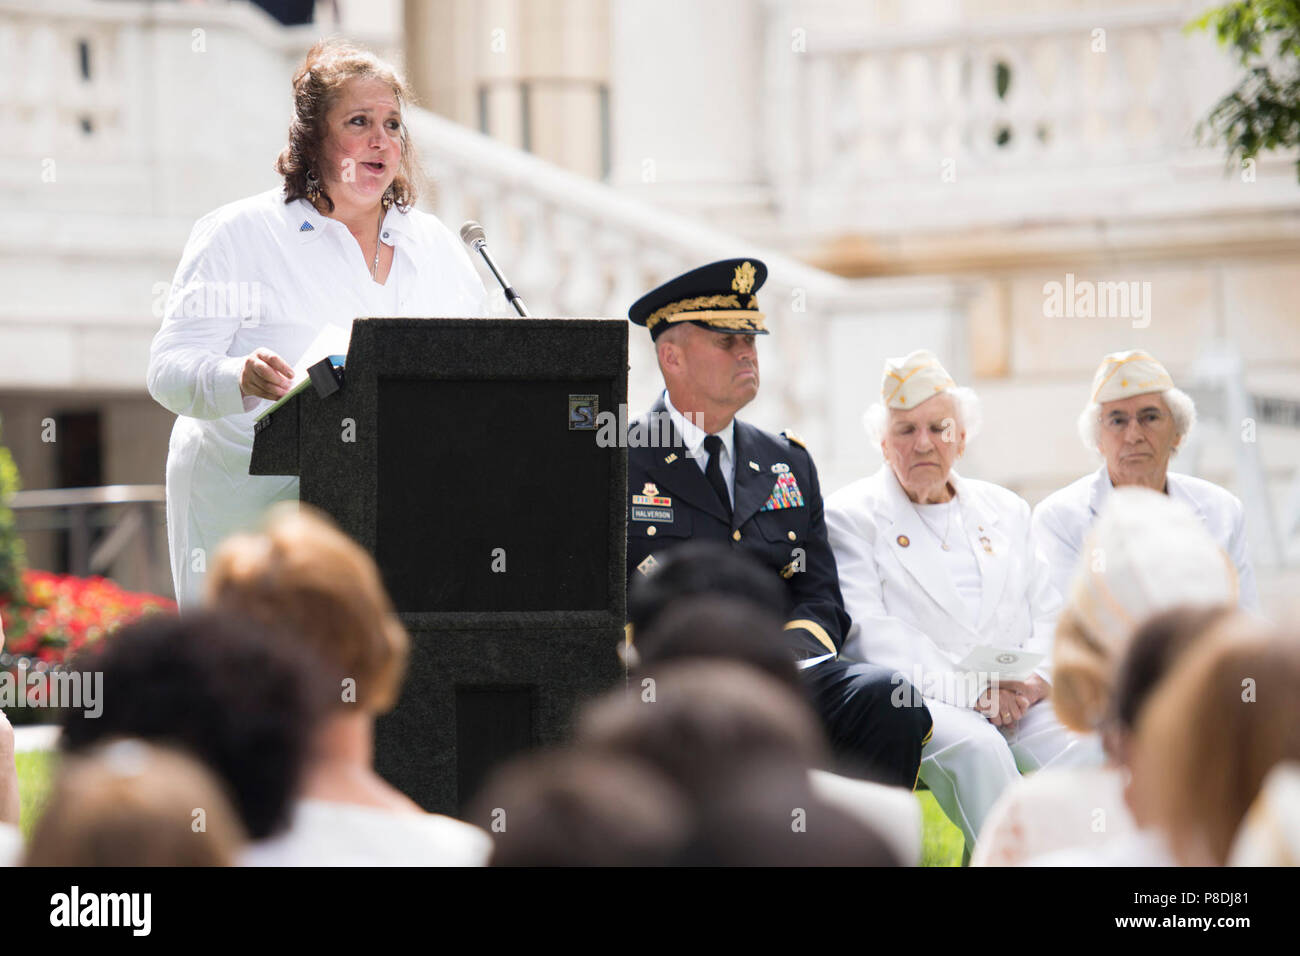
(696, 472)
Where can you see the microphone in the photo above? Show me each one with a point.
(472, 234)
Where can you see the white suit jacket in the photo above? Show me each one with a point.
(907, 614)
(262, 272)
(1062, 520)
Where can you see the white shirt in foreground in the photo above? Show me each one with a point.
(1139, 848)
(1068, 809)
(345, 834)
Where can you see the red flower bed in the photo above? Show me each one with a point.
(58, 614)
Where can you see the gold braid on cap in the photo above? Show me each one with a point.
(700, 307)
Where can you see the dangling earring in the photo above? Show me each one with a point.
(313, 186)
(388, 198)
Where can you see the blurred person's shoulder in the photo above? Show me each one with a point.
(1135, 848)
(1055, 811)
(892, 812)
(1270, 833)
(325, 833)
(11, 844)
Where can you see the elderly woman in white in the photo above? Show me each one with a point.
(260, 278)
(1136, 420)
(934, 566)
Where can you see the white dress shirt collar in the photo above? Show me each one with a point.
(693, 436)
(304, 219)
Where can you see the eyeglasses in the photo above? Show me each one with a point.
(1118, 422)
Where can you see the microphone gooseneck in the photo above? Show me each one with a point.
(475, 239)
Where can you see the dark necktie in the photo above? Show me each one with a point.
(713, 470)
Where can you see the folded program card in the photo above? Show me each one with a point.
(1007, 663)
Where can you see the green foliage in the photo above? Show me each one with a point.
(941, 842)
(35, 778)
(13, 555)
(1263, 112)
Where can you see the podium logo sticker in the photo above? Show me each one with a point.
(583, 410)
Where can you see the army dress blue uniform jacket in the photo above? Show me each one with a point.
(777, 518)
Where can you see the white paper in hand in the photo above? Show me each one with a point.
(330, 340)
(1008, 663)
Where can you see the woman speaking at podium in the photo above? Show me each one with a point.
(259, 279)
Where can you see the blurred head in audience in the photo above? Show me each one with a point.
(576, 809)
(698, 722)
(1146, 553)
(720, 628)
(1156, 647)
(1223, 718)
(129, 803)
(766, 814)
(719, 753)
(739, 744)
(307, 578)
(701, 568)
(218, 687)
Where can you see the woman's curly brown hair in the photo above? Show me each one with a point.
(329, 65)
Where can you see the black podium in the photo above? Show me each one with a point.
(464, 455)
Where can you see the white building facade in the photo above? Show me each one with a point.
(914, 174)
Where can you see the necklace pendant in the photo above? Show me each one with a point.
(945, 547)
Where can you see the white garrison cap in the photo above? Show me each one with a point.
(1146, 553)
(1125, 374)
(912, 379)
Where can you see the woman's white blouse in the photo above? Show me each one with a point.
(262, 273)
